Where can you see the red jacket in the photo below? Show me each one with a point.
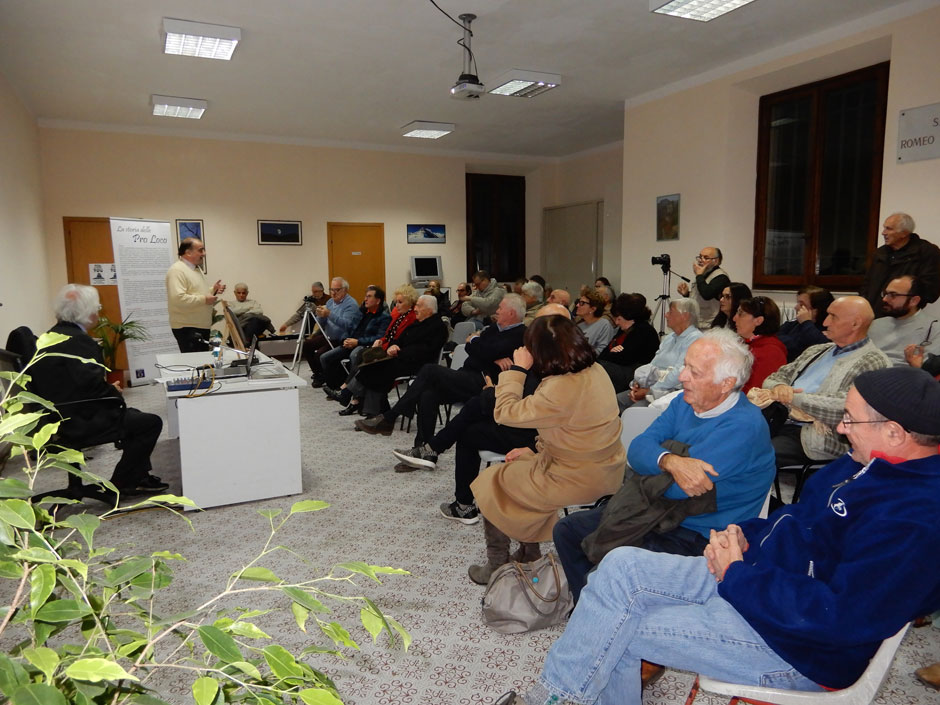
(769, 356)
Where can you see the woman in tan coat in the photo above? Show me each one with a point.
(579, 455)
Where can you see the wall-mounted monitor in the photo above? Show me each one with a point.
(424, 269)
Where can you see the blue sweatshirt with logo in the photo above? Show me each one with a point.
(826, 580)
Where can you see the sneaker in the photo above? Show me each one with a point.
(464, 513)
(420, 457)
(376, 425)
(149, 485)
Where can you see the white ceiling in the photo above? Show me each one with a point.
(354, 71)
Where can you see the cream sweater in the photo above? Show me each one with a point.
(186, 291)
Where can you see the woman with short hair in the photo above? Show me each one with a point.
(634, 344)
(757, 321)
(598, 329)
(812, 306)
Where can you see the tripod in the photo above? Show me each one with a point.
(662, 301)
(306, 327)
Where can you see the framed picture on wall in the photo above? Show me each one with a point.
(192, 228)
(280, 232)
(436, 234)
(667, 217)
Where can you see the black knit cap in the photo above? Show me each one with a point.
(906, 395)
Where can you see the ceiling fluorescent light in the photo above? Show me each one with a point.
(168, 106)
(524, 84)
(207, 41)
(701, 10)
(427, 130)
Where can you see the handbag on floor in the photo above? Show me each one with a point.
(523, 597)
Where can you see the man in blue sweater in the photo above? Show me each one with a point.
(719, 440)
(800, 600)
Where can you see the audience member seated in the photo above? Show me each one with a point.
(532, 295)
(337, 319)
(607, 293)
(63, 376)
(812, 307)
(601, 282)
(915, 356)
(813, 387)
(487, 353)
(559, 296)
(249, 313)
(679, 462)
(434, 289)
(904, 323)
(661, 375)
(480, 306)
(634, 344)
(472, 430)
(757, 322)
(801, 600)
(538, 279)
(454, 312)
(402, 315)
(731, 297)
(596, 328)
(710, 282)
(418, 345)
(374, 321)
(517, 285)
(317, 298)
(579, 456)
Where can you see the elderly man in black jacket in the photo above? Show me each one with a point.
(904, 252)
(67, 379)
(436, 385)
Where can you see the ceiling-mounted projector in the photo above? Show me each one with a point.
(468, 87)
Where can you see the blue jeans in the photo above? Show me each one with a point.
(665, 609)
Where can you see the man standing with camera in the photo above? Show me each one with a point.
(710, 281)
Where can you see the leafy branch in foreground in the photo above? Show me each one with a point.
(79, 622)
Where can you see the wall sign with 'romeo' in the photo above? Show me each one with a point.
(919, 133)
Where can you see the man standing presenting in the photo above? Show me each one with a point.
(801, 600)
(190, 298)
(710, 281)
(904, 324)
(904, 252)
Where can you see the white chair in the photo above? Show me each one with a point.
(862, 692)
(461, 331)
(489, 457)
(635, 420)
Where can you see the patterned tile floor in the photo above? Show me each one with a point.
(387, 519)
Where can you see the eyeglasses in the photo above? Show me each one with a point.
(581, 302)
(848, 421)
(725, 297)
(894, 295)
(335, 291)
(926, 340)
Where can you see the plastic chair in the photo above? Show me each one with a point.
(489, 457)
(461, 331)
(862, 692)
(635, 420)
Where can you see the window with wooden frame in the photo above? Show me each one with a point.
(819, 181)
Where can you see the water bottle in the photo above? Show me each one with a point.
(217, 350)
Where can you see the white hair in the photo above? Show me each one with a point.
(240, 285)
(533, 289)
(429, 301)
(689, 306)
(905, 222)
(342, 282)
(517, 304)
(734, 357)
(76, 303)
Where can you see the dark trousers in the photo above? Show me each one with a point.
(434, 385)
(141, 431)
(473, 430)
(620, 375)
(331, 363)
(314, 346)
(191, 339)
(571, 530)
(788, 448)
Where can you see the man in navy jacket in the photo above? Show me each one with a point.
(800, 600)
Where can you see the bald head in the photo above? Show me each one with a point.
(848, 320)
(553, 310)
(560, 296)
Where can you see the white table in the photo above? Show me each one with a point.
(241, 442)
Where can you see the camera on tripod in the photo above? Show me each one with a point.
(663, 261)
(309, 300)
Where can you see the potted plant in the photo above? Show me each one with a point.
(112, 334)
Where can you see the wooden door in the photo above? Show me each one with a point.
(88, 241)
(357, 253)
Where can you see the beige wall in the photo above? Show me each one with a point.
(596, 175)
(702, 143)
(230, 185)
(23, 279)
